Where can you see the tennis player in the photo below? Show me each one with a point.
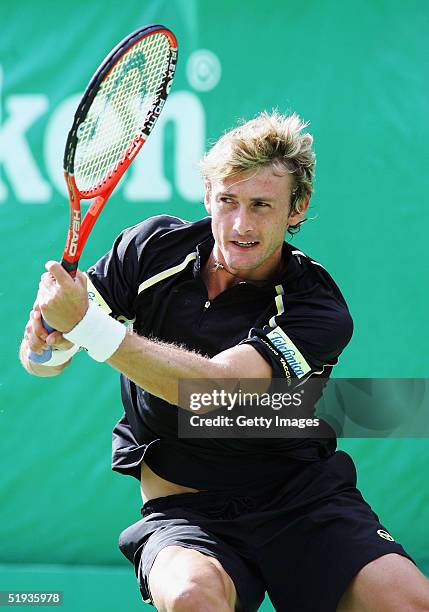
(225, 520)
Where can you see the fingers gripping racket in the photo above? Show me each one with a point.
(113, 120)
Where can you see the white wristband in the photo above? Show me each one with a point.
(59, 357)
(98, 333)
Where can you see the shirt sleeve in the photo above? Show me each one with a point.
(114, 280)
(306, 338)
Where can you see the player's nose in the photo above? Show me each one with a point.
(243, 223)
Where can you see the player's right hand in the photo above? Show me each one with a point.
(38, 339)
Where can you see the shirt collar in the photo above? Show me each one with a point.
(205, 247)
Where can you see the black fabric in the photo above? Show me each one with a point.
(302, 540)
(299, 322)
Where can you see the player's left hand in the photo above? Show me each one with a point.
(62, 299)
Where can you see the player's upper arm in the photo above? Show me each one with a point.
(244, 361)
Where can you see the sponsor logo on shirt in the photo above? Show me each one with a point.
(286, 369)
(96, 297)
(293, 356)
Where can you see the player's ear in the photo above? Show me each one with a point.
(298, 213)
(207, 196)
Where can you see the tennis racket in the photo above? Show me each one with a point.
(114, 118)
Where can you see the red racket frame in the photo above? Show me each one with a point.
(79, 229)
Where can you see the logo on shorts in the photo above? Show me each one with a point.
(385, 535)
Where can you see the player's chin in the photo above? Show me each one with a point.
(240, 263)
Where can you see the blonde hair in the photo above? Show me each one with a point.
(269, 139)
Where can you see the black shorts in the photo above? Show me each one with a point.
(302, 541)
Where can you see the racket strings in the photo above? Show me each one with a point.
(119, 109)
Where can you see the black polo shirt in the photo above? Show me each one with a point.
(299, 323)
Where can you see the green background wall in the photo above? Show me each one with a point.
(359, 72)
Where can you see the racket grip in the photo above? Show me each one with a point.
(46, 355)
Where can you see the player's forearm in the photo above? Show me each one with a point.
(158, 367)
(155, 366)
(36, 369)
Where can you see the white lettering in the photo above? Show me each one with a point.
(218, 421)
(15, 154)
(147, 179)
(75, 233)
(181, 127)
(243, 421)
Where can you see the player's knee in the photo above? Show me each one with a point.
(188, 597)
(184, 579)
(194, 596)
(419, 602)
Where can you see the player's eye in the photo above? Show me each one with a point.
(262, 205)
(226, 200)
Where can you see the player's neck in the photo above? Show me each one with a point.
(217, 277)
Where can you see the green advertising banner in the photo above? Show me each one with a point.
(358, 72)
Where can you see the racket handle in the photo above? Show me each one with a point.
(46, 355)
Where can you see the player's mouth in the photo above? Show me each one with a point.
(244, 244)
